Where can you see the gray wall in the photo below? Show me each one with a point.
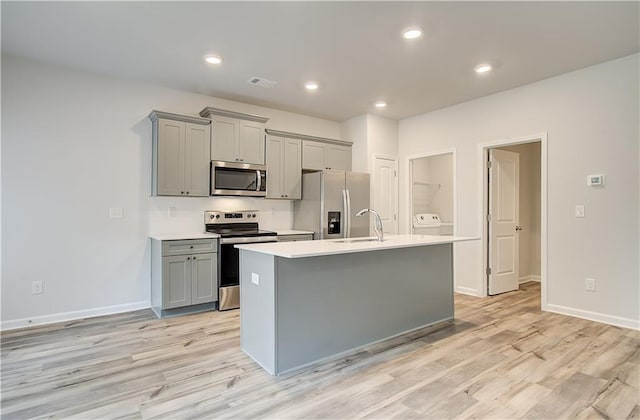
(75, 144)
(592, 119)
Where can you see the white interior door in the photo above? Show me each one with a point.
(504, 197)
(385, 192)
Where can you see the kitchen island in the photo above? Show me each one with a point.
(304, 302)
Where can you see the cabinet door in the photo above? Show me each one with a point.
(313, 155)
(198, 152)
(204, 278)
(251, 142)
(275, 166)
(171, 153)
(292, 169)
(338, 157)
(224, 134)
(176, 281)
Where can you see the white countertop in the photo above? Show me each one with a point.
(179, 236)
(284, 232)
(334, 246)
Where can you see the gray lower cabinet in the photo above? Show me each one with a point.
(183, 276)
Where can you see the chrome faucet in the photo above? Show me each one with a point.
(377, 224)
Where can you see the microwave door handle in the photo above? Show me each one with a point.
(259, 183)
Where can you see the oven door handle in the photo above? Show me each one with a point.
(248, 240)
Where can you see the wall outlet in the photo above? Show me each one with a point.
(590, 285)
(580, 211)
(255, 278)
(115, 213)
(36, 287)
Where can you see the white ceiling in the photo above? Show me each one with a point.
(353, 49)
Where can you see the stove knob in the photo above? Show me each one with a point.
(211, 216)
(217, 216)
(254, 215)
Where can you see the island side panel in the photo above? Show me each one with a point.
(257, 308)
(331, 304)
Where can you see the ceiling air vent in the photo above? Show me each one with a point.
(262, 82)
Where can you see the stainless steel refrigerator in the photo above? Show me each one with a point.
(330, 200)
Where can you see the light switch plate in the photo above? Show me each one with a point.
(255, 278)
(580, 211)
(115, 213)
(595, 180)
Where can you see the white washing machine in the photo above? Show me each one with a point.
(430, 224)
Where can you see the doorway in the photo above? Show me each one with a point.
(514, 213)
(432, 192)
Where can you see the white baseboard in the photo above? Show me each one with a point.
(467, 291)
(595, 316)
(531, 277)
(69, 316)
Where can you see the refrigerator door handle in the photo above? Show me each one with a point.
(348, 214)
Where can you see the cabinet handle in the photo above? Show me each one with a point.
(181, 192)
(191, 247)
(194, 258)
(188, 258)
(187, 192)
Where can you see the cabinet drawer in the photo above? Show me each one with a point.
(189, 246)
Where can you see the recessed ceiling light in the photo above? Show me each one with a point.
(483, 68)
(311, 85)
(213, 59)
(380, 104)
(412, 33)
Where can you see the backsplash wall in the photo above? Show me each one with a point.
(189, 212)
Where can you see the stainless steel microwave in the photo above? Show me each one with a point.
(229, 178)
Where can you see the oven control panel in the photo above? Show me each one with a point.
(241, 216)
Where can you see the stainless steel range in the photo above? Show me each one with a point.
(235, 227)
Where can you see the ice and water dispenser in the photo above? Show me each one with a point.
(334, 222)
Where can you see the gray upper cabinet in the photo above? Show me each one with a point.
(318, 155)
(224, 132)
(314, 155)
(338, 157)
(181, 149)
(284, 168)
(236, 137)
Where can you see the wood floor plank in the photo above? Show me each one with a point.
(500, 358)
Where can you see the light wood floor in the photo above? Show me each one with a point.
(501, 358)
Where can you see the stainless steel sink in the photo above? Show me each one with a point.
(355, 240)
